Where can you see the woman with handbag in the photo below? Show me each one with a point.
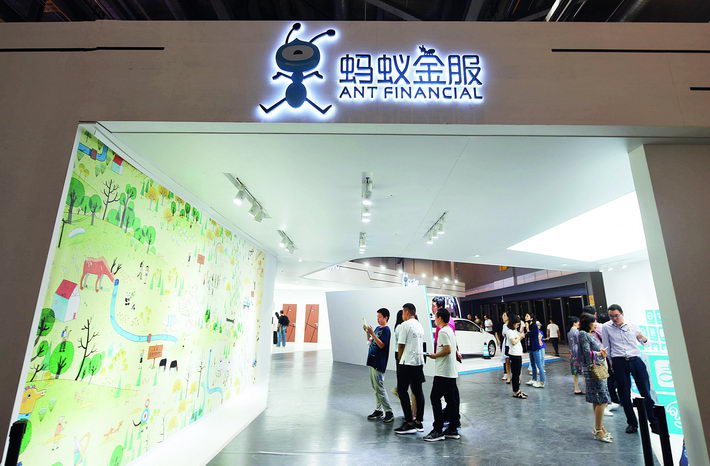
(593, 359)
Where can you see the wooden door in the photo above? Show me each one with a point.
(290, 311)
(311, 331)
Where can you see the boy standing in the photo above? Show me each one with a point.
(377, 356)
(445, 382)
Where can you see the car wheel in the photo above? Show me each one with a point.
(491, 348)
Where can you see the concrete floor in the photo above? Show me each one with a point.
(316, 416)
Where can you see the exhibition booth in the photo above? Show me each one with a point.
(180, 190)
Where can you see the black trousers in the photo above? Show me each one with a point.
(445, 387)
(411, 376)
(612, 386)
(556, 344)
(516, 363)
(623, 370)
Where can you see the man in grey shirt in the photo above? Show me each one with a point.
(621, 340)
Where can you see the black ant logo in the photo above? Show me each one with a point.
(426, 51)
(296, 57)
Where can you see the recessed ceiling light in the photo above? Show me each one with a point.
(446, 279)
(564, 265)
(610, 269)
(300, 260)
(477, 255)
(577, 239)
(456, 281)
(382, 267)
(435, 277)
(423, 275)
(624, 266)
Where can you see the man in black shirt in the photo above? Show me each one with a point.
(283, 325)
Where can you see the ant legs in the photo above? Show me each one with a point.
(267, 110)
(322, 110)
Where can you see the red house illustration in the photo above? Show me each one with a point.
(66, 301)
(117, 165)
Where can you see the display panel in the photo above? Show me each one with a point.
(149, 321)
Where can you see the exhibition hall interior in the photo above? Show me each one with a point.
(357, 222)
(357, 232)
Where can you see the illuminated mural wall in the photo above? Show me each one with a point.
(149, 322)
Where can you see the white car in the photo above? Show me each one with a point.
(472, 339)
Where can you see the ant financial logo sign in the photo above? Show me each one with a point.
(423, 77)
(426, 77)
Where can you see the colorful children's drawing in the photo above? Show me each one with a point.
(121, 295)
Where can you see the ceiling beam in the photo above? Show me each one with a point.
(382, 5)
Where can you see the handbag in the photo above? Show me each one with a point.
(599, 371)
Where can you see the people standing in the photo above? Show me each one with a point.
(488, 324)
(283, 326)
(444, 385)
(377, 356)
(575, 364)
(537, 358)
(439, 304)
(504, 347)
(553, 335)
(275, 327)
(602, 316)
(410, 347)
(592, 354)
(515, 353)
(622, 339)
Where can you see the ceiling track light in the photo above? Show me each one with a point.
(286, 242)
(436, 230)
(366, 189)
(256, 210)
(362, 241)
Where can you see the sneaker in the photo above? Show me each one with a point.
(607, 412)
(613, 406)
(434, 436)
(452, 433)
(405, 428)
(419, 426)
(376, 414)
(530, 382)
(389, 417)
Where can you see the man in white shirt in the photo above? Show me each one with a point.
(553, 335)
(488, 324)
(444, 385)
(410, 350)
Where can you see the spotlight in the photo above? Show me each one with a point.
(436, 277)
(366, 189)
(456, 281)
(259, 216)
(423, 275)
(366, 220)
(436, 229)
(282, 245)
(367, 202)
(239, 198)
(362, 251)
(366, 212)
(446, 279)
(300, 260)
(430, 241)
(441, 230)
(254, 210)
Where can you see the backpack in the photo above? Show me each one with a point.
(283, 320)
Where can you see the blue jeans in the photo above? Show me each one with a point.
(537, 363)
(281, 337)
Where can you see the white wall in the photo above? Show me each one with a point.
(348, 308)
(301, 297)
(631, 288)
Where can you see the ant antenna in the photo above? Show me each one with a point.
(329, 32)
(295, 27)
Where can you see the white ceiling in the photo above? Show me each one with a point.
(497, 190)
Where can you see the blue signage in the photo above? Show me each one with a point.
(297, 57)
(423, 76)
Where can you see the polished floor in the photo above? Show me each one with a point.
(316, 416)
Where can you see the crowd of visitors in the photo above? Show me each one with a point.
(603, 349)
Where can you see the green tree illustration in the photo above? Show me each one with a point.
(149, 236)
(125, 199)
(116, 456)
(74, 196)
(94, 205)
(46, 322)
(61, 359)
(130, 218)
